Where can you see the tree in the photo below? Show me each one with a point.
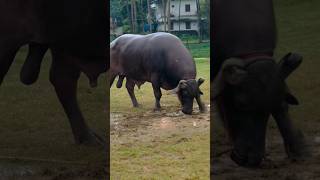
(199, 20)
(133, 16)
(149, 15)
(168, 16)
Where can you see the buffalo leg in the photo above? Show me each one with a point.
(120, 81)
(202, 107)
(7, 54)
(130, 88)
(112, 76)
(294, 140)
(156, 90)
(31, 67)
(64, 77)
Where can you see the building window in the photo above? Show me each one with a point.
(171, 25)
(188, 25)
(187, 7)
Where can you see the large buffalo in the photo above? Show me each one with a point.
(76, 33)
(249, 85)
(159, 58)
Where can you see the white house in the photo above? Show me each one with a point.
(185, 19)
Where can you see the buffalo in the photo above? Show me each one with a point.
(159, 58)
(248, 84)
(74, 31)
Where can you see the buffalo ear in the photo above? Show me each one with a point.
(200, 81)
(231, 72)
(181, 85)
(290, 99)
(288, 64)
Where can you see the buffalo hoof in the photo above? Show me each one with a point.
(136, 105)
(156, 109)
(299, 149)
(92, 139)
(245, 161)
(203, 110)
(188, 112)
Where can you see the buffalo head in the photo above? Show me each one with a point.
(246, 92)
(187, 91)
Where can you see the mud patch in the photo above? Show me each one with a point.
(156, 122)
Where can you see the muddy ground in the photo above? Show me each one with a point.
(156, 123)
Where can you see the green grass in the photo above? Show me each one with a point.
(188, 160)
(199, 50)
(158, 155)
(34, 125)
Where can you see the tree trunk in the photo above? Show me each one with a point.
(179, 14)
(129, 12)
(135, 17)
(164, 15)
(132, 17)
(149, 16)
(168, 15)
(208, 14)
(199, 20)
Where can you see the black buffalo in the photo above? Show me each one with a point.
(159, 58)
(76, 33)
(249, 85)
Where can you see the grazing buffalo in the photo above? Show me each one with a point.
(76, 33)
(249, 85)
(159, 58)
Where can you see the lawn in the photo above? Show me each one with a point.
(199, 50)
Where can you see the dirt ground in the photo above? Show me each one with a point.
(156, 123)
(56, 170)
